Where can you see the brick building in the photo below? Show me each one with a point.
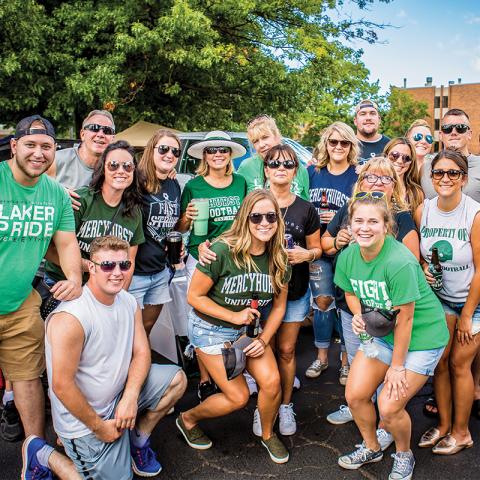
(465, 96)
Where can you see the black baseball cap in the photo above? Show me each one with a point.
(24, 127)
(378, 322)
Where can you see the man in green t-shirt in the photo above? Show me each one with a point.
(34, 210)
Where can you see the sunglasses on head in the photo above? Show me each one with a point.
(287, 164)
(395, 156)
(418, 136)
(372, 178)
(459, 128)
(163, 149)
(95, 127)
(375, 194)
(109, 265)
(213, 150)
(261, 116)
(113, 166)
(334, 142)
(256, 218)
(452, 174)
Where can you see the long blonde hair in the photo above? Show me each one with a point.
(147, 164)
(385, 166)
(346, 132)
(239, 240)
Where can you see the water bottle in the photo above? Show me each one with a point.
(367, 346)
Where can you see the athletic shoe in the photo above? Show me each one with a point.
(403, 465)
(32, 470)
(257, 424)
(287, 423)
(11, 428)
(251, 383)
(384, 438)
(359, 457)
(195, 436)
(296, 384)
(343, 377)
(206, 389)
(276, 449)
(316, 368)
(341, 416)
(144, 461)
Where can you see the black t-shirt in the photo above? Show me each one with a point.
(161, 211)
(372, 149)
(404, 225)
(301, 220)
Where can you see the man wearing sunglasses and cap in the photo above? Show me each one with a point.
(367, 120)
(456, 133)
(34, 210)
(106, 395)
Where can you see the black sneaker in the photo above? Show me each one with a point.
(206, 389)
(11, 428)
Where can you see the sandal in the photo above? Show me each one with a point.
(430, 438)
(432, 403)
(449, 446)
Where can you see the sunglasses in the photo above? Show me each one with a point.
(163, 149)
(459, 128)
(256, 218)
(372, 178)
(109, 265)
(452, 174)
(213, 150)
(262, 116)
(395, 156)
(95, 127)
(343, 143)
(418, 136)
(376, 195)
(113, 166)
(287, 164)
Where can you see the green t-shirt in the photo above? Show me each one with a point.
(232, 286)
(252, 170)
(223, 205)
(93, 220)
(29, 217)
(394, 277)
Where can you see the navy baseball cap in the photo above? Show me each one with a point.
(24, 127)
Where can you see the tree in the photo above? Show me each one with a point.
(185, 63)
(400, 110)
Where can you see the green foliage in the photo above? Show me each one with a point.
(189, 64)
(400, 111)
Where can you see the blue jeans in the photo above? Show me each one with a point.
(352, 341)
(323, 325)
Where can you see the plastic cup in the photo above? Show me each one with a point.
(200, 224)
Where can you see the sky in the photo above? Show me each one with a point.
(431, 38)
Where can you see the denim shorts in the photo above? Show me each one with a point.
(151, 289)
(422, 362)
(297, 310)
(456, 309)
(210, 338)
(321, 278)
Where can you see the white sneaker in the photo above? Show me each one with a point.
(288, 425)
(316, 368)
(296, 384)
(257, 425)
(384, 438)
(341, 416)
(251, 383)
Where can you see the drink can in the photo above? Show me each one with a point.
(289, 241)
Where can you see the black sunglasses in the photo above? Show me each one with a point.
(459, 128)
(334, 142)
(452, 174)
(256, 218)
(395, 156)
(109, 265)
(213, 150)
(375, 194)
(95, 127)
(287, 164)
(163, 149)
(113, 166)
(418, 136)
(372, 178)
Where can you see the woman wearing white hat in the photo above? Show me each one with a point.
(225, 191)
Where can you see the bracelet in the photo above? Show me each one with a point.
(263, 342)
(398, 369)
(313, 257)
(335, 244)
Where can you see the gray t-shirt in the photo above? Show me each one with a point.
(105, 359)
(71, 170)
(472, 188)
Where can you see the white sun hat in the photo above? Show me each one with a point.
(216, 138)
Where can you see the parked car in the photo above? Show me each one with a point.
(187, 165)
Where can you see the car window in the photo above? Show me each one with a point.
(189, 164)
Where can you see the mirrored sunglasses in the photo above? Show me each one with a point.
(419, 136)
(396, 156)
(113, 166)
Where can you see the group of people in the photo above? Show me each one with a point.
(351, 235)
